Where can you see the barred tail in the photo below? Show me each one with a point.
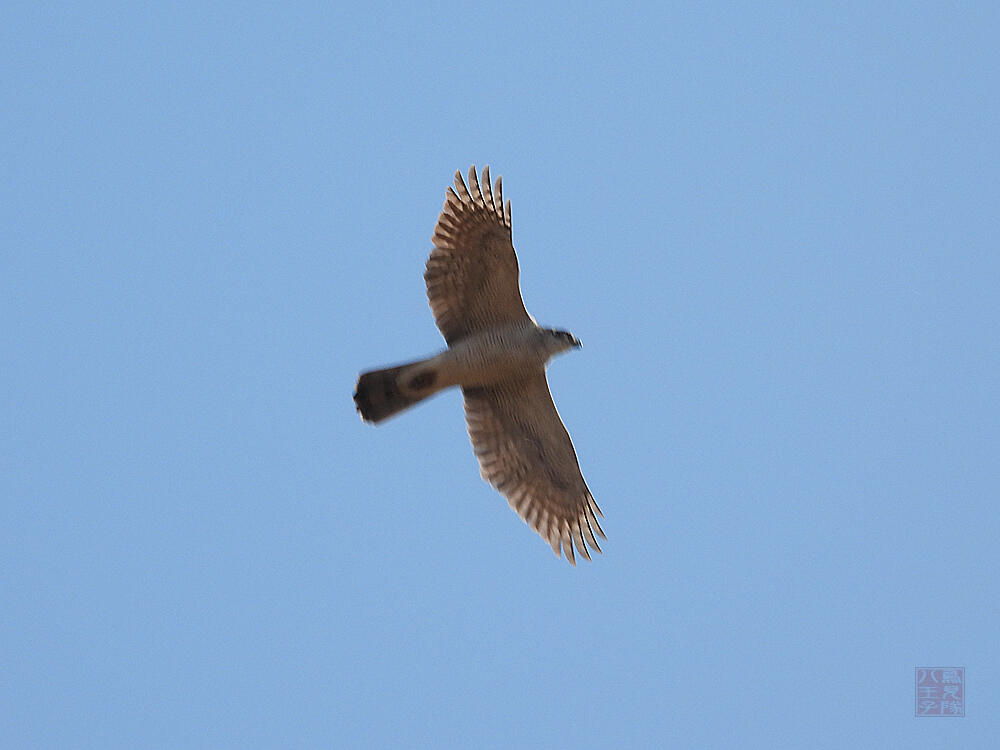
(381, 394)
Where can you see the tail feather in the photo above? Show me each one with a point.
(381, 394)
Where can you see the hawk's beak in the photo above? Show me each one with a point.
(577, 344)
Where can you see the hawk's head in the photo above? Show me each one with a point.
(560, 341)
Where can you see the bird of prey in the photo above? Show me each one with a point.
(497, 354)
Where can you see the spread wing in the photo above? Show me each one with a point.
(472, 276)
(525, 452)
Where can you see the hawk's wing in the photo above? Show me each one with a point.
(525, 452)
(472, 272)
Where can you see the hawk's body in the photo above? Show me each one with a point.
(497, 354)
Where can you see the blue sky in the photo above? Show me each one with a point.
(773, 226)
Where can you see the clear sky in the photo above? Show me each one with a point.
(775, 229)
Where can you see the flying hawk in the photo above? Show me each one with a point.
(497, 354)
